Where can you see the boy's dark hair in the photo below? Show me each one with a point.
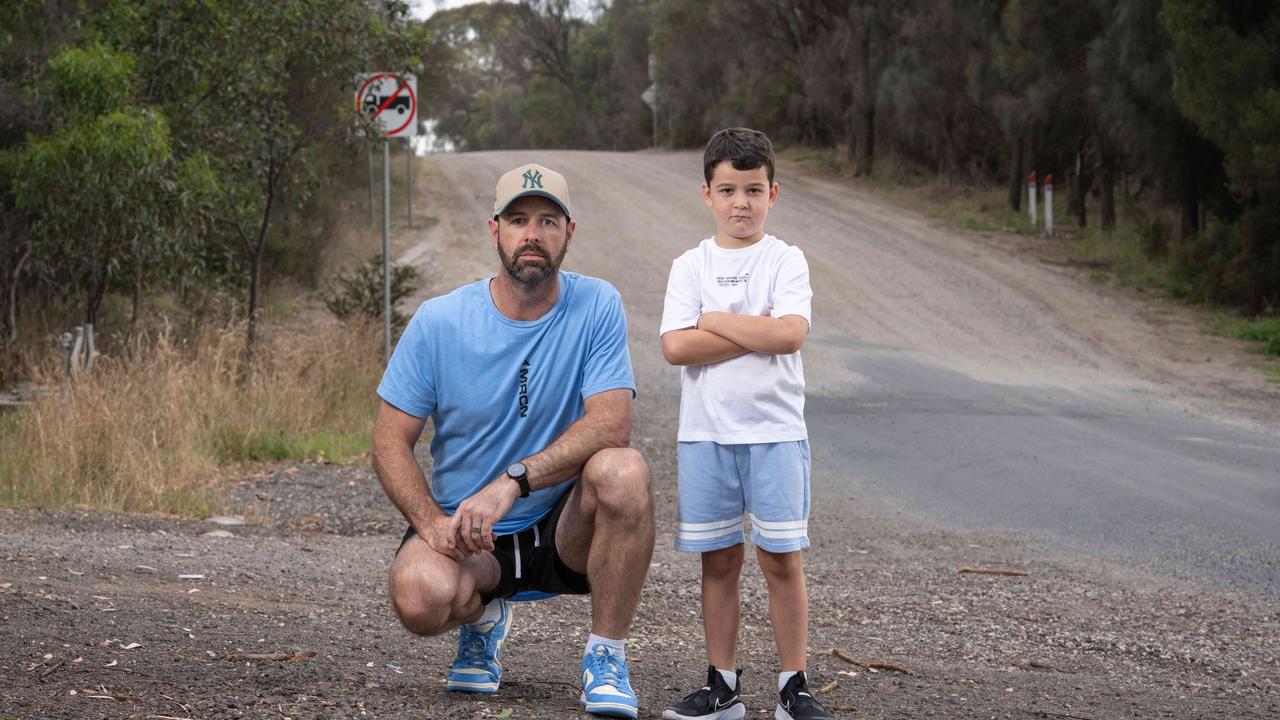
(745, 148)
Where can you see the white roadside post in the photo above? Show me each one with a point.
(389, 101)
(1048, 206)
(1031, 198)
(650, 97)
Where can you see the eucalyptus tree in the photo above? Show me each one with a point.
(95, 185)
(1226, 80)
(259, 86)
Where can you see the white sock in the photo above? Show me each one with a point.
(492, 614)
(783, 677)
(617, 647)
(730, 678)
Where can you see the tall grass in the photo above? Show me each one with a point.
(151, 435)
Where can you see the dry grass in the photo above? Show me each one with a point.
(151, 435)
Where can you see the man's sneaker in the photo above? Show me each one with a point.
(606, 684)
(478, 665)
(715, 701)
(795, 702)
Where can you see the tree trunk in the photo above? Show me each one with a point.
(867, 141)
(851, 134)
(137, 308)
(866, 110)
(1190, 200)
(13, 295)
(1015, 176)
(254, 279)
(1107, 192)
(1078, 188)
(256, 251)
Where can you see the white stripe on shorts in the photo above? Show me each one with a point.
(693, 532)
(779, 530)
(699, 527)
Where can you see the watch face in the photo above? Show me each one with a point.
(517, 470)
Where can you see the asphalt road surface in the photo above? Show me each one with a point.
(951, 376)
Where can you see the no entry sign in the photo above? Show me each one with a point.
(390, 102)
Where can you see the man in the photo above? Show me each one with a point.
(527, 380)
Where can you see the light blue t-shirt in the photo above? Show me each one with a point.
(499, 390)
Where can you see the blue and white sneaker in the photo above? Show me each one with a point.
(478, 665)
(606, 684)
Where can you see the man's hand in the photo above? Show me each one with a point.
(441, 536)
(473, 521)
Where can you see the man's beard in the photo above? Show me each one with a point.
(531, 274)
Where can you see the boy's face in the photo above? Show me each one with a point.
(740, 200)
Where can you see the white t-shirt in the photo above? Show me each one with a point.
(753, 398)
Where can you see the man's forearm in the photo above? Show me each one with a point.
(606, 424)
(762, 334)
(405, 485)
(694, 346)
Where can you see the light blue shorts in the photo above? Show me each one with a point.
(770, 481)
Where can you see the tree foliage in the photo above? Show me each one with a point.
(168, 143)
(1226, 80)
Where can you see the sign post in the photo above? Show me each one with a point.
(389, 101)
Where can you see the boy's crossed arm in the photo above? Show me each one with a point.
(721, 336)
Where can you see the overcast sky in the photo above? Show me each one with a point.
(424, 8)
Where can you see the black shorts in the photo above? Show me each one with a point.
(528, 560)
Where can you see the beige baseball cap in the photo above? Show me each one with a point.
(532, 179)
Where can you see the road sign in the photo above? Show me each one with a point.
(650, 96)
(390, 102)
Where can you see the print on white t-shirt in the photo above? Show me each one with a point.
(754, 398)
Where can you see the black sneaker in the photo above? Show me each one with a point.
(713, 702)
(795, 702)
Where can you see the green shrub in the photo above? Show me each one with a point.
(357, 294)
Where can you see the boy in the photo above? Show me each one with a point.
(735, 317)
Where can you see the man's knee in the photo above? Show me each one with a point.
(620, 479)
(424, 608)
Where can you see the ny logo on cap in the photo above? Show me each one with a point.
(532, 179)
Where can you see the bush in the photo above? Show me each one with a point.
(357, 294)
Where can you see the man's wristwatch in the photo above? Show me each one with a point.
(520, 474)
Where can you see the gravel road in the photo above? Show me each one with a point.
(974, 404)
